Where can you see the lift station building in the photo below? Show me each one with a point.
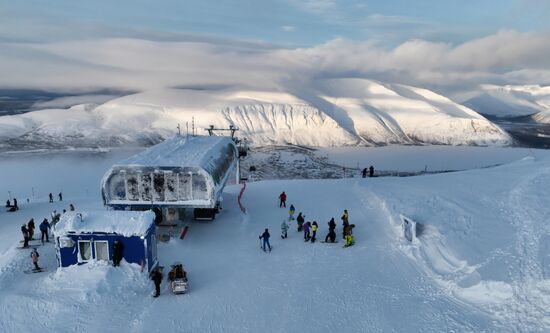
(183, 172)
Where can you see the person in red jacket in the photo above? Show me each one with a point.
(282, 198)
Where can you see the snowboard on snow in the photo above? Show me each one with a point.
(330, 242)
(31, 271)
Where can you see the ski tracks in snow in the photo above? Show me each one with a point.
(529, 308)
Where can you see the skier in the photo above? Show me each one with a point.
(44, 226)
(300, 221)
(349, 235)
(156, 276)
(284, 229)
(30, 227)
(25, 233)
(282, 199)
(345, 222)
(60, 196)
(265, 238)
(371, 171)
(71, 207)
(34, 257)
(118, 247)
(291, 212)
(314, 227)
(306, 228)
(364, 173)
(51, 197)
(15, 204)
(331, 234)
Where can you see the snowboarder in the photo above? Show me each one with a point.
(34, 257)
(25, 233)
(44, 226)
(60, 196)
(314, 227)
(284, 229)
(331, 234)
(291, 212)
(156, 276)
(371, 171)
(118, 247)
(15, 204)
(31, 227)
(349, 235)
(51, 197)
(306, 228)
(8, 203)
(300, 221)
(71, 207)
(265, 238)
(345, 222)
(364, 173)
(282, 199)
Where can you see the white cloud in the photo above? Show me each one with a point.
(288, 28)
(505, 57)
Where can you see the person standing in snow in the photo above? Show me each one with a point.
(291, 212)
(364, 173)
(284, 229)
(282, 199)
(44, 226)
(15, 204)
(349, 235)
(34, 257)
(265, 237)
(51, 197)
(331, 234)
(71, 207)
(156, 276)
(306, 228)
(371, 171)
(31, 227)
(314, 227)
(25, 233)
(345, 222)
(118, 247)
(300, 221)
(60, 196)
(8, 204)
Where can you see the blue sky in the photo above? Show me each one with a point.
(291, 23)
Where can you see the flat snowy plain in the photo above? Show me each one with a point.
(480, 264)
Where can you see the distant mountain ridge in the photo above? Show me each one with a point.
(338, 112)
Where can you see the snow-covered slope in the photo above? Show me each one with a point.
(513, 101)
(335, 113)
(480, 263)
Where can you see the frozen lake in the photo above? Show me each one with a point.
(34, 175)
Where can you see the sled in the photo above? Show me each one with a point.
(179, 286)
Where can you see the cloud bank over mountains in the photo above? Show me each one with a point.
(507, 57)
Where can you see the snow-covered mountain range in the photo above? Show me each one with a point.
(337, 112)
(513, 101)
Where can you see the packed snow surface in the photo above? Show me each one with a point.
(480, 263)
(122, 223)
(338, 112)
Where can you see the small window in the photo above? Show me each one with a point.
(101, 250)
(84, 250)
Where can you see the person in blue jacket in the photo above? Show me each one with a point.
(265, 238)
(44, 226)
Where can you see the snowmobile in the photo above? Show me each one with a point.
(177, 278)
